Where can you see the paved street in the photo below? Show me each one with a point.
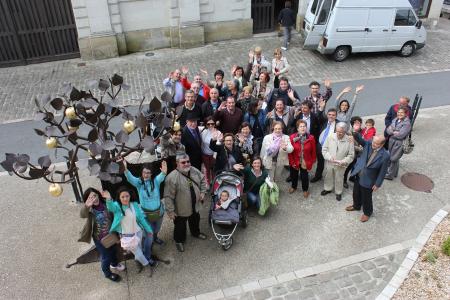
(20, 84)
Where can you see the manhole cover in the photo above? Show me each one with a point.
(417, 182)
(149, 54)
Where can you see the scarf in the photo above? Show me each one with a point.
(275, 147)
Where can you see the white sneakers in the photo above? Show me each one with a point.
(120, 267)
(283, 48)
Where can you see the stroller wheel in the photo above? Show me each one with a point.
(228, 244)
(244, 219)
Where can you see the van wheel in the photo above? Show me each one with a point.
(408, 49)
(341, 53)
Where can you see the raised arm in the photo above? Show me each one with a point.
(342, 93)
(353, 104)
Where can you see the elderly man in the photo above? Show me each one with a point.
(211, 106)
(203, 88)
(173, 85)
(369, 172)
(228, 116)
(191, 139)
(196, 88)
(189, 108)
(338, 152)
(316, 97)
(185, 189)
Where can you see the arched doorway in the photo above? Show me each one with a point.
(265, 14)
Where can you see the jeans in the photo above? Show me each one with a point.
(108, 257)
(286, 35)
(148, 242)
(138, 254)
(253, 199)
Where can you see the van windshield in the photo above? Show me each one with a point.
(324, 12)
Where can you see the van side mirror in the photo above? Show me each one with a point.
(419, 24)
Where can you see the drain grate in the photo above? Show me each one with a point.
(417, 182)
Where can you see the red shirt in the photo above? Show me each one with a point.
(368, 133)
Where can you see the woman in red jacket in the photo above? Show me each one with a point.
(302, 158)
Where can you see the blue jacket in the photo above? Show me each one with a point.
(261, 119)
(114, 207)
(152, 199)
(374, 173)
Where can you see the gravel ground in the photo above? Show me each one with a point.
(428, 280)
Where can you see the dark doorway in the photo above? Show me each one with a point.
(36, 30)
(265, 14)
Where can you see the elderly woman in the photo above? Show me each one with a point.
(229, 157)
(148, 188)
(98, 223)
(275, 149)
(302, 158)
(231, 89)
(244, 141)
(398, 131)
(245, 99)
(343, 107)
(280, 66)
(208, 154)
(254, 177)
(261, 88)
(131, 224)
(281, 113)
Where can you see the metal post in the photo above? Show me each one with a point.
(74, 182)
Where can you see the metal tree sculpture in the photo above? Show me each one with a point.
(94, 108)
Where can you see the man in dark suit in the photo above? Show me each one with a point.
(369, 172)
(192, 142)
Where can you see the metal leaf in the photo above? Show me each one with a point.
(23, 158)
(51, 130)
(57, 103)
(141, 121)
(95, 149)
(125, 86)
(82, 164)
(103, 85)
(167, 122)
(20, 167)
(75, 122)
(115, 179)
(49, 117)
(93, 135)
(100, 109)
(148, 144)
(126, 115)
(94, 169)
(92, 84)
(92, 118)
(122, 137)
(36, 173)
(44, 161)
(39, 132)
(7, 165)
(88, 103)
(117, 79)
(109, 145)
(105, 176)
(166, 97)
(75, 95)
(114, 168)
(66, 88)
(45, 98)
(38, 104)
(39, 116)
(155, 105)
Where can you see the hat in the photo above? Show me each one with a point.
(192, 117)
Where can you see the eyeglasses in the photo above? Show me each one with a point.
(185, 162)
(210, 124)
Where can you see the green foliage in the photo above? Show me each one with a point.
(446, 246)
(431, 256)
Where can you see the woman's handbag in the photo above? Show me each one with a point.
(153, 215)
(109, 240)
(408, 146)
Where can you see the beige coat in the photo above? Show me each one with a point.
(282, 159)
(338, 149)
(177, 194)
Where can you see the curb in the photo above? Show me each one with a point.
(413, 254)
(306, 272)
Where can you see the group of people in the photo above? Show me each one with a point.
(254, 127)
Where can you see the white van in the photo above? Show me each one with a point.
(341, 27)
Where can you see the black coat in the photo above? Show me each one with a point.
(222, 156)
(207, 109)
(193, 147)
(314, 127)
(279, 94)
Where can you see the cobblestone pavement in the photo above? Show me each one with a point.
(19, 85)
(360, 281)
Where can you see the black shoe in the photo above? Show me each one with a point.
(338, 197)
(139, 266)
(201, 236)
(114, 277)
(351, 178)
(180, 247)
(346, 185)
(325, 192)
(316, 178)
(153, 263)
(289, 179)
(388, 178)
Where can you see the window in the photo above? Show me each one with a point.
(420, 7)
(324, 12)
(405, 17)
(314, 6)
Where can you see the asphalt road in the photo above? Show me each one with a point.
(378, 95)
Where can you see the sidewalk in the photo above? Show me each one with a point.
(39, 236)
(19, 85)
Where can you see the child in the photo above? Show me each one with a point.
(369, 132)
(224, 195)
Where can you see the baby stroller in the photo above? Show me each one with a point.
(224, 221)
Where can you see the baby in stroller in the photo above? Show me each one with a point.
(225, 209)
(222, 202)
